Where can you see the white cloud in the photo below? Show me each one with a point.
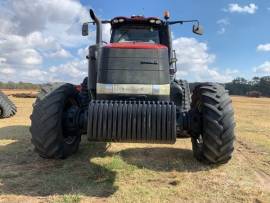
(106, 32)
(22, 57)
(61, 53)
(33, 74)
(73, 71)
(82, 52)
(33, 31)
(36, 73)
(263, 47)
(264, 68)
(31, 57)
(32, 15)
(222, 23)
(7, 71)
(194, 62)
(221, 31)
(2, 60)
(236, 8)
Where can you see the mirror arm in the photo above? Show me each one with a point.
(183, 21)
(175, 22)
(106, 21)
(103, 22)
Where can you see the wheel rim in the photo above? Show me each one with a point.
(198, 137)
(69, 137)
(199, 141)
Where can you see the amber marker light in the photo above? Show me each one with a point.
(166, 15)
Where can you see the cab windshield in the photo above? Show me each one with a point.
(136, 34)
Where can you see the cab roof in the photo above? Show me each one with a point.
(122, 20)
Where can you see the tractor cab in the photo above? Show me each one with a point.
(138, 63)
(136, 29)
(140, 31)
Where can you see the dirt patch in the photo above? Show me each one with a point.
(252, 155)
(264, 180)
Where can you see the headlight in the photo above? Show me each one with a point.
(121, 20)
(158, 22)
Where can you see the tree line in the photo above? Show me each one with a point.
(239, 86)
(19, 85)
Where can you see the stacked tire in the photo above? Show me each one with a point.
(7, 107)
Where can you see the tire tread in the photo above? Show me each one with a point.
(217, 123)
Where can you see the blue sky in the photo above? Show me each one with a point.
(235, 49)
(49, 46)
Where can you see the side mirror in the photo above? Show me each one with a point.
(85, 29)
(197, 29)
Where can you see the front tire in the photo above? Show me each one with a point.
(48, 136)
(212, 126)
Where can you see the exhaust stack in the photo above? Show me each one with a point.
(95, 53)
(98, 27)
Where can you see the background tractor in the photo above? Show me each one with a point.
(7, 108)
(131, 95)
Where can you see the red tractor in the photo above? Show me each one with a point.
(131, 95)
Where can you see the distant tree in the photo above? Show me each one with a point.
(241, 86)
(264, 85)
(256, 80)
(20, 85)
(240, 80)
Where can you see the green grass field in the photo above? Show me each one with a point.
(137, 172)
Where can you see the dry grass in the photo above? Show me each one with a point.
(137, 172)
(18, 91)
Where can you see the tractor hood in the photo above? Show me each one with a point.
(134, 63)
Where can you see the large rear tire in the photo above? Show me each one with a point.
(212, 126)
(7, 108)
(46, 89)
(48, 136)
